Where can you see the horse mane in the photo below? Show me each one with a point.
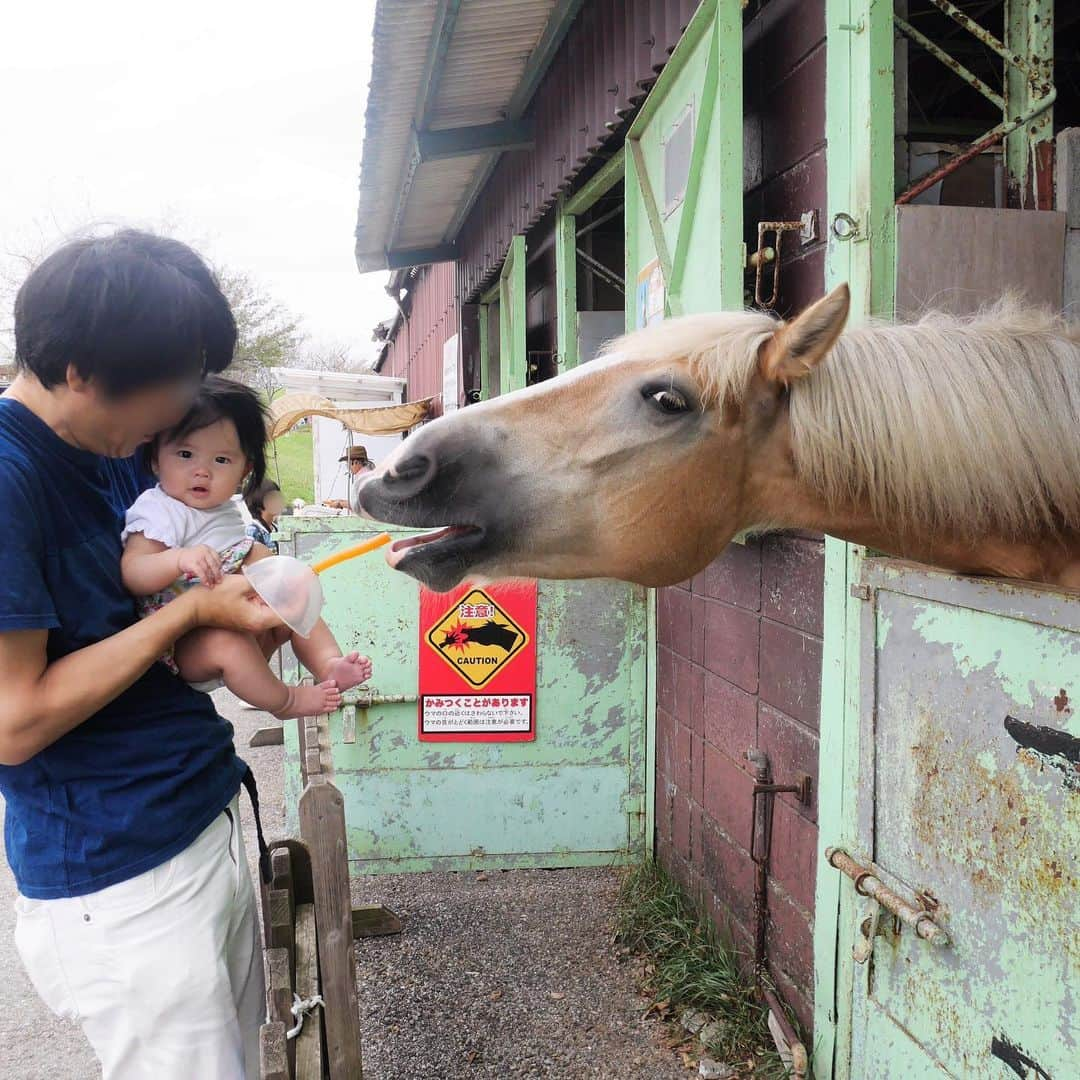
(964, 425)
(957, 425)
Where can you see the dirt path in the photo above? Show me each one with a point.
(508, 974)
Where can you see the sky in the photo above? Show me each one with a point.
(236, 126)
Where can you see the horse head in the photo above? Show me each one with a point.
(641, 465)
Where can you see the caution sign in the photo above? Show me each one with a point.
(478, 663)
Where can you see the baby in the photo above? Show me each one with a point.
(187, 530)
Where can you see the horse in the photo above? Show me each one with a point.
(948, 440)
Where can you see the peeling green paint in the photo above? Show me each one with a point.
(573, 797)
(952, 804)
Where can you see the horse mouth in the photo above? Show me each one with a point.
(454, 543)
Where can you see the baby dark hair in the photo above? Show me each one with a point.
(256, 497)
(223, 399)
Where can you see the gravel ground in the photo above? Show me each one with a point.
(506, 974)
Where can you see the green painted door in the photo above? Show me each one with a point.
(683, 157)
(575, 796)
(966, 799)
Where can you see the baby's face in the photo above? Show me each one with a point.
(204, 468)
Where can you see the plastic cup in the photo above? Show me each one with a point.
(291, 588)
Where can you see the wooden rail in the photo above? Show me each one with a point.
(309, 926)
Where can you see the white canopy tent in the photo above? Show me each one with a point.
(345, 410)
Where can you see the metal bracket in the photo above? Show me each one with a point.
(845, 227)
(805, 226)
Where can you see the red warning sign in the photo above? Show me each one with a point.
(478, 664)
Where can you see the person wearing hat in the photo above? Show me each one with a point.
(359, 465)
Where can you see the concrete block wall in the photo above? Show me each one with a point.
(739, 665)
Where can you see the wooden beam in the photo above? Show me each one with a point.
(460, 142)
(268, 736)
(322, 828)
(309, 1060)
(374, 920)
(273, 1058)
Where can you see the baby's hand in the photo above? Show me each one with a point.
(348, 671)
(200, 562)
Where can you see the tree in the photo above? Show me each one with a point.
(268, 335)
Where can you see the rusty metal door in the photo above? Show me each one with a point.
(967, 773)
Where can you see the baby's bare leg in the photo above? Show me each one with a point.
(237, 658)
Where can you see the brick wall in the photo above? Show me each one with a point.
(739, 666)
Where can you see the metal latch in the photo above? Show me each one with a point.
(364, 700)
(868, 884)
(806, 227)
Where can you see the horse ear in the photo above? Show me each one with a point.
(799, 346)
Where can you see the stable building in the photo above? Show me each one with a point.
(541, 175)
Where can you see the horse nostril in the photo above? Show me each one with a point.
(412, 475)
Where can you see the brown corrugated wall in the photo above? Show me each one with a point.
(415, 352)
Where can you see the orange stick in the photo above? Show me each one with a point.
(351, 553)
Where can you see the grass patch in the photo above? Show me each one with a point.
(687, 966)
(294, 470)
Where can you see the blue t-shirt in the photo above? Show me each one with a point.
(137, 782)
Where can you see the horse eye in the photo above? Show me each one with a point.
(669, 401)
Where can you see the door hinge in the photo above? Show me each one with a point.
(633, 804)
(861, 592)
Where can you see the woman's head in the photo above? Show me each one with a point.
(125, 326)
(265, 502)
(220, 442)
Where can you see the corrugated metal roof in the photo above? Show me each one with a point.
(438, 65)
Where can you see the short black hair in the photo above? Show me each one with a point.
(225, 399)
(256, 497)
(129, 310)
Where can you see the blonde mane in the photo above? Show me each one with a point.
(958, 425)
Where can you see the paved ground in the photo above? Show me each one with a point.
(507, 975)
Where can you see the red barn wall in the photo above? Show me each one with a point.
(415, 352)
(739, 661)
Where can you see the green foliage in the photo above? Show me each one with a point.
(293, 469)
(689, 967)
(268, 335)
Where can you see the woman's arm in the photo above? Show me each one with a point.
(43, 701)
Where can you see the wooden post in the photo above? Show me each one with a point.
(309, 1056)
(374, 920)
(273, 1057)
(322, 827)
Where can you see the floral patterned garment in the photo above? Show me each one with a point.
(232, 559)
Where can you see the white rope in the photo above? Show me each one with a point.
(300, 1008)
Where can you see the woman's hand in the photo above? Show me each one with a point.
(200, 562)
(232, 605)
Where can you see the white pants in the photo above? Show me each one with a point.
(164, 971)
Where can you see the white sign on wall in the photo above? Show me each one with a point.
(450, 380)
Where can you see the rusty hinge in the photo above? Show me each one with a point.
(861, 592)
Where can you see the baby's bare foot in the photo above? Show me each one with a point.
(310, 700)
(348, 671)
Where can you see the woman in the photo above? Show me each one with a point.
(136, 913)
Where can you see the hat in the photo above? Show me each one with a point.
(356, 453)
